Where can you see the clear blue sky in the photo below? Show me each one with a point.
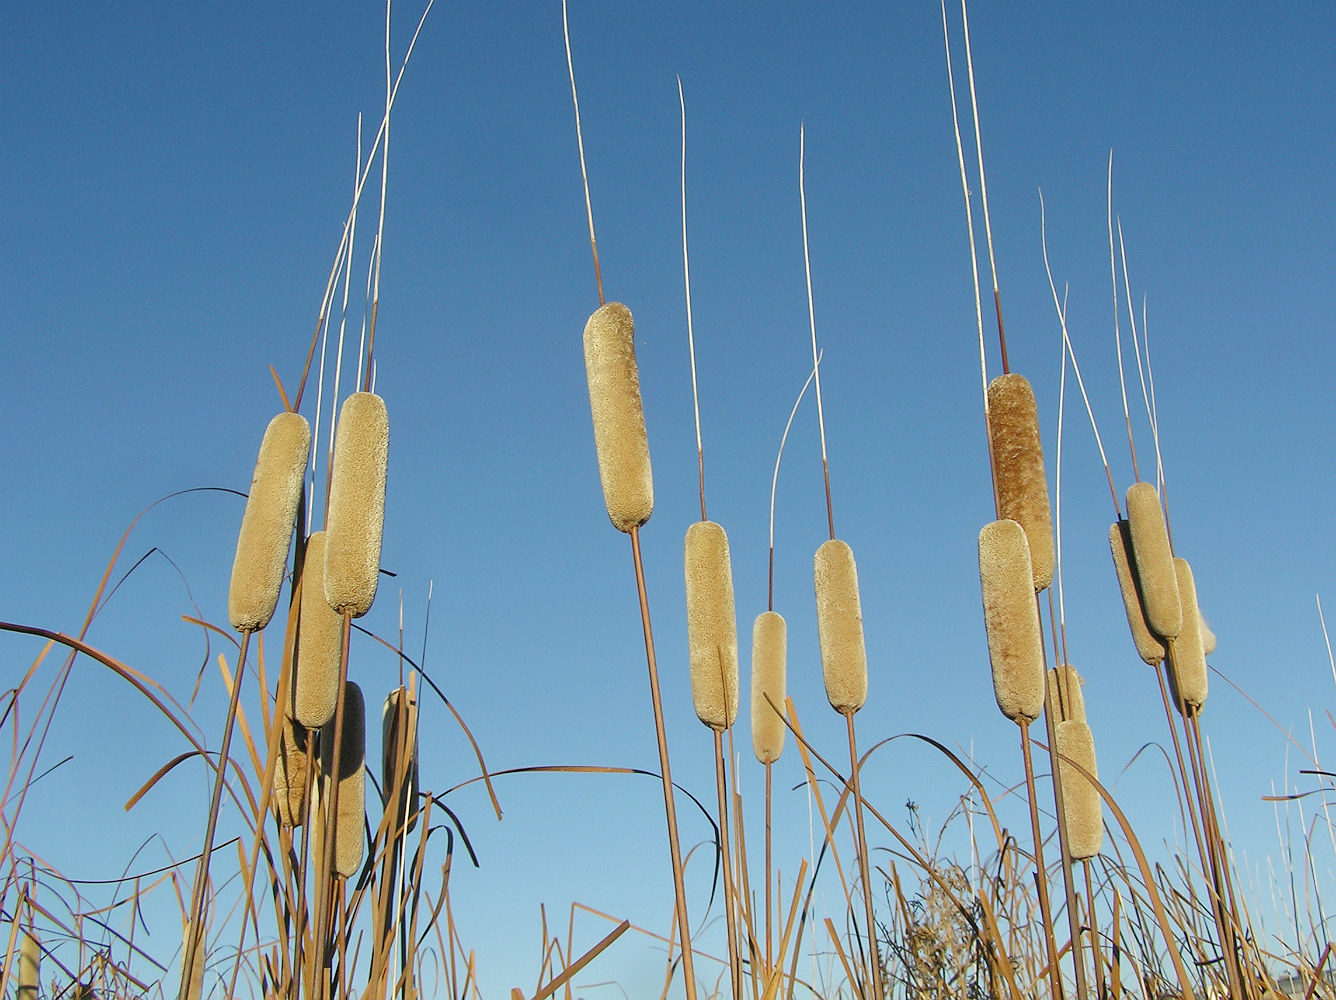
(173, 193)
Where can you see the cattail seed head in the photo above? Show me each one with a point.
(1149, 648)
(319, 643)
(770, 641)
(290, 774)
(619, 416)
(356, 516)
(30, 954)
(1011, 619)
(712, 625)
(1018, 469)
(1083, 810)
(1154, 561)
(399, 757)
(1064, 691)
(839, 626)
(1187, 655)
(266, 526)
(351, 776)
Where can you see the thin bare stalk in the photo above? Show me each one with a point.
(864, 867)
(686, 277)
(1040, 877)
(774, 485)
(726, 850)
(811, 316)
(579, 138)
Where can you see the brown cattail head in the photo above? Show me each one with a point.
(1064, 692)
(619, 417)
(399, 757)
(356, 516)
(1207, 637)
(1018, 469)
(1187, 655)
(291, 774)
(1083, 810)
(266, 526)
(770, 640)
(839, 626)
(1011, 619)
(1154, 561)
(349, 839)
(319, 643)
(712, 625)
(1149, 648)
(30, 954)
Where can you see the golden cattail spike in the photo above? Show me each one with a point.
(1064, 687)
(266, 526)
(712, 626)
(399, 756)
(619, 416)
(768, 670)
(30, 954)
(349, 838)
(839, 625)
(1154, 561)
(1018, 469)
(1011, 619)
(290, 775)
(1149, 648)
(1083, 810)
(356, 517)
(319, 643)
(1187, 655)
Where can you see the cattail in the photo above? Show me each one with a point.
(1154, 561)
(1018, 469)
(266, 526)
(1187, 655)
(348, 825)
(356, 516)
(1064, 690)
(30, 954)
(319, 643)
(399, 756)
(1081, 804)
(1207, 637)
(839, 626)
(1148, 647)
(619, 417)
(1011, 619)
(769, 666)
(290, 774)
(712, 627)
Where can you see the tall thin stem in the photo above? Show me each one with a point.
(864, 867)
(579, 137)
(811, 316)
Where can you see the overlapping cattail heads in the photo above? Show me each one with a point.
(770, 641)
(1011, 618)
(399, 757)
(619, 417)
(356, 515)
(1149, 648)
(290, 774)
(319, 643)
(1018, 469)
(1082, 807)
(712, 626)
(1187, 654)
(266, 526)
(1064, 693)
(1154, 561)
(839, 625)
(349, 841)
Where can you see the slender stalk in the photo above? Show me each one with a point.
(1041, 877)
(811, 315)
(726, 850)
(864, 868)
(579, 138)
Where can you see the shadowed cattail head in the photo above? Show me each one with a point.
(319, 643)
(266, 526)
(356, 516)
(619, 417)
(1064, 692)
(30, 954)
(351, 776)
(1187, 655)
(290, 774)
(1011, 618)
(1149, 648)
(1154, 561)
(712, 625)
(839, 626)
(1018, 469)
(399, 757)
(1083, 809)
(770, 641)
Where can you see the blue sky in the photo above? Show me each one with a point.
(177, 180)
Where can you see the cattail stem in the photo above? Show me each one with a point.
(864, 868)
(726, 850)
(579, 137)
(769, 874)
(1041, 876)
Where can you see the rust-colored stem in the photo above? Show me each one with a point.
(864, 867)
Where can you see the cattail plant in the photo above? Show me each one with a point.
(1081, 803)
(712, 631)
(1154, 560)
(1011, 620)
(319, 642)
(350, 776)
(291, 774)
(1148, 646)
(356, 516)
(1018, 469)
(768, 685)
(1187, 653)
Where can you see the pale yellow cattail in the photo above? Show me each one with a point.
(839, 626)
(1083, 809)
(319, 643)
(1207, 637)
(399, 756)
(1064, 691)
(1018, 469)
(356, 516)
(349, 839)
(30, 954)
(1187, 655)
(712, 626)
(619, 417)
(1011, 619)
(1154, 561)
(769, 667)
(266, 526)
(1149, 648)
(290, 774)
